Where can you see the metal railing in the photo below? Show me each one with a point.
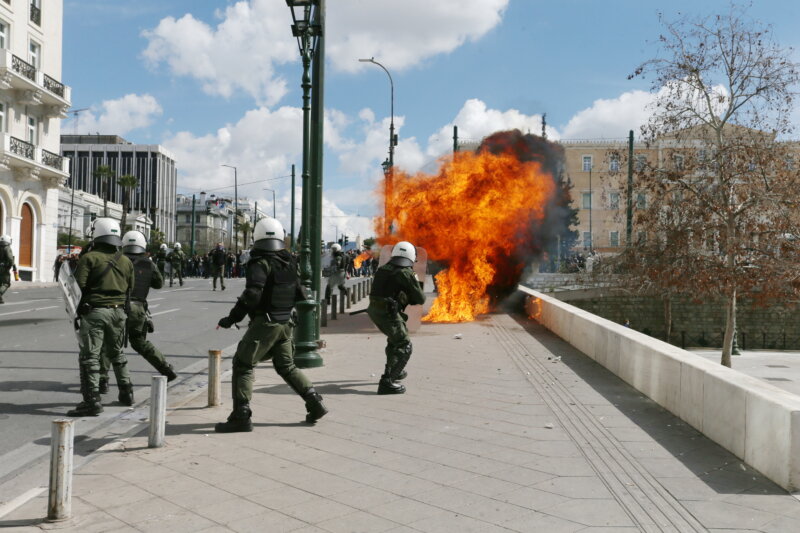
(36, 14)
(54, 86)
(22, 67)
(52, 160)
(22, 148)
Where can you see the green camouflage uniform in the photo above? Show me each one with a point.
(6, 264)
(175, 259)
(338, 276)
(103, 325)
(394, 288)
(161, 261)
(270, 292)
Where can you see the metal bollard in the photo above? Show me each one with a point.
(333, 307)
(158, 411)
(59, 498)
(214, 377)
(359, 290)
(323, 316)
(346, 299)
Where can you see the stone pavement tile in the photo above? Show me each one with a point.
(531, 498)
(591, 512)
(145, 475)
(782, 525)
(247, 485)
(313, 481)
(358, 522)
(562, 466)
(575, 487)
(535, 522)
(719, 514)
(268, 521)
(172, 485)
(553, 449)
(630, 434)
(318, 510)
(309, 529)
(492, 511)
(771, 502)
(197, 498)
(615, 529)
(404, 510)
(451, 499)
(216, 529)
(711, 486)
(281, 498)
(487, 486)
(224, 512)
(106, 499)
(114, 463)
(650, 449)
(664, 468)
(365, 498)
(97, 482)
(179, 522)
(444, 475)
(403, 484)
(521, 475)
(137, 512)
(447, 521)
(206, 468)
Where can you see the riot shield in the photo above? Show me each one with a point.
(72, 294)
(414, 312)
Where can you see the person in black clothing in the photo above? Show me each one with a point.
(216, 259)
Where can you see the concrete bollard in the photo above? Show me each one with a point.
(345, 296)
(358, 291)
(59, 498)
(333, 307)
(214, 377)
(158, 411)
(323, 317)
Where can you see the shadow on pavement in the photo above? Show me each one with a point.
(26, 321)
(326, 387)
(83, 445)
(205, 429)
(30, 522)
(46, 386)
(39, 409)
(714, 465)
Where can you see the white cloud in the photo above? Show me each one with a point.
(116, 117)
(242, 51)
(611, 118)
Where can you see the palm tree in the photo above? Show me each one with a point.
(105, 174)
(128, 183)
(245, 227)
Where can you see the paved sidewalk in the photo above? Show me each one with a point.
(494, 434)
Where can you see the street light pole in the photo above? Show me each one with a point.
(388, 166)
(273, 201)
(291, 235)
(235, 207)
(591, 235)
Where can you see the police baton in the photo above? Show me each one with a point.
(358, 312)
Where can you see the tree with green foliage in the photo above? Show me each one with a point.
(128, 183)
(105, 175)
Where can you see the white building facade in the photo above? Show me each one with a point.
(33, 100)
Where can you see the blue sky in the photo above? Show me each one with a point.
(218, 82)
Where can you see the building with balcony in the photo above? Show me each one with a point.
(33, 100)
(152, 165)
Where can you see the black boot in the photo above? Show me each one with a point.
(314, 406)
(401, 376)
(90, 406)
(168, 371)
(104, 385)
(126, 394)
(387, 385)
(238, 421)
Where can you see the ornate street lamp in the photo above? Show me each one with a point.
(307, 28)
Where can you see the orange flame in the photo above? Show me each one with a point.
(477, 215)
(534, 308)
(360, 258)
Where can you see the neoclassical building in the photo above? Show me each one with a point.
(33, 101)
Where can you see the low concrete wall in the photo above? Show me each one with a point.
(754, 420)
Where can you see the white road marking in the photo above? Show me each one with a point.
(28, 310)
(155, 299)
(165, 312)
(153, 306)
(20, 500)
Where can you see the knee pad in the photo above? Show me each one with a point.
(405, 349)
(240, 366)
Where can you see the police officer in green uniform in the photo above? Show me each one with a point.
(175, 259)
(161, 259)
(146, 276)
(271, 290)
(337, 277)
(6, 264)
(217, 258)
(105, 277)
(395, 286)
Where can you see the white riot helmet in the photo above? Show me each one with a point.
(5, 239)
(163, 246)
(268, 235)
(336, 247)
(403, 254)
(134, 242)
(177, 246)
(106, 230)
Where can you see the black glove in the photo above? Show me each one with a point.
(148, 324)
(226, 322)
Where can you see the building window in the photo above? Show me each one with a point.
(33, 131)
(677, 160)
(702, 157)
(613, 200)
(187, 218)
(34, 54)
(587, 163)
(790, 163)
(2, 117)
(613, 164)
(587, 239)
(587, 200)
(641, 201)
(641, 162)
(3, 34)
(36, 12)
(641, 237)
(613, 238)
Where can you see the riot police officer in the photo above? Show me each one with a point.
(161, 259)
(395, 286)
(105, 277)
(175, 259)
(271, 290)
(6, 263)
(217, 258)
(146, 276)
(337, 277)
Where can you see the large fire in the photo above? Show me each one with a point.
(360, 258)
(479, 218)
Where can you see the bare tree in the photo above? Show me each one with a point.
(721, 184)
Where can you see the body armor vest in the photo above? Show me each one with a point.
(385, 284)
(142, 276)
(279, 293)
